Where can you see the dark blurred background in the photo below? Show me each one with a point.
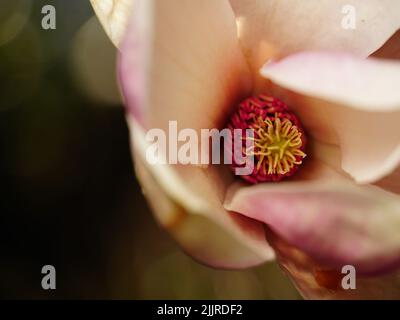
(69, 197)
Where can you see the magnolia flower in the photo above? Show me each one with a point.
(193, 61)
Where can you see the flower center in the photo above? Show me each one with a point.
(277, 145)
(278, 141)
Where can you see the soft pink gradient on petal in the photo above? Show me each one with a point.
(316, 281)
(333, 220)
(181, 61)
(363, 84)
(296, 25)
(350, 102)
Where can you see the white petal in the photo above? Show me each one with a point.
(295, 25)
(114, 16)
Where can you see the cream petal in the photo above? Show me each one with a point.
(169, 66)
(333, 220)
(114, 16)
(288, 26)
(181, 61)
(350, 102)
(363, 84)
(208, 232)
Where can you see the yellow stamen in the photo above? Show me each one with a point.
(277, 145)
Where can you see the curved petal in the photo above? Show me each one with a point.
(198, 221)
(315, 281)
(296, 25)
(114, 16)
(350, 102)
(181, 61)
(333, 220)
(198, 235)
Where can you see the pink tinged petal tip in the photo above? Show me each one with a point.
(334, 222)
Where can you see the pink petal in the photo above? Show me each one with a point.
(208, 232)
(296, 25)
(333, 220)
(353, 103)
(181, 61)
(316, 281)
